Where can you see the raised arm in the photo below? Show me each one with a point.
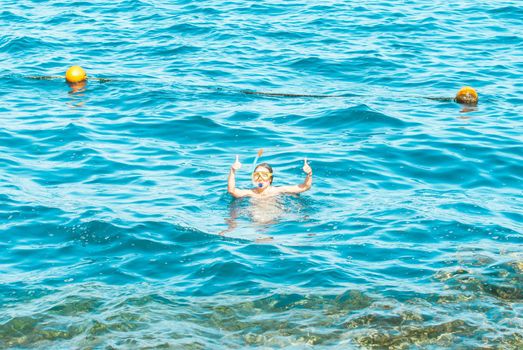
(231, 181)
(306, 185)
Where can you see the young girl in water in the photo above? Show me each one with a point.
(262, 178)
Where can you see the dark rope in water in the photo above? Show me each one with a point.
(247, 92)
(276, 94)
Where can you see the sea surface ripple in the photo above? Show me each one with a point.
(116, 228)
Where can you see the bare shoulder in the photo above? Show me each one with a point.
(286, 189)
(242, 193)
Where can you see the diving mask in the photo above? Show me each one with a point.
(261, 176)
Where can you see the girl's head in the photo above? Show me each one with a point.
(262, 175)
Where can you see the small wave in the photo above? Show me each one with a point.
(509, 12)
(12, 17)
(189, 29)
(359, 117)
(15, 45)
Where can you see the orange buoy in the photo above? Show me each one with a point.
(75, 74)
(467, 95)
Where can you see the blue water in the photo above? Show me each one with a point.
(116, 228)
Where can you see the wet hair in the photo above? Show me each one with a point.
(266, 166)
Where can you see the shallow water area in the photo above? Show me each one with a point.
(116, 228)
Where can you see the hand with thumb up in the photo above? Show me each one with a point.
(236, 165)
(306, 167)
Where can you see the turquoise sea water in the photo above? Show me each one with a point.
(113, 198)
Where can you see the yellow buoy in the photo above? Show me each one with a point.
(467, 95)
(75, 74)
